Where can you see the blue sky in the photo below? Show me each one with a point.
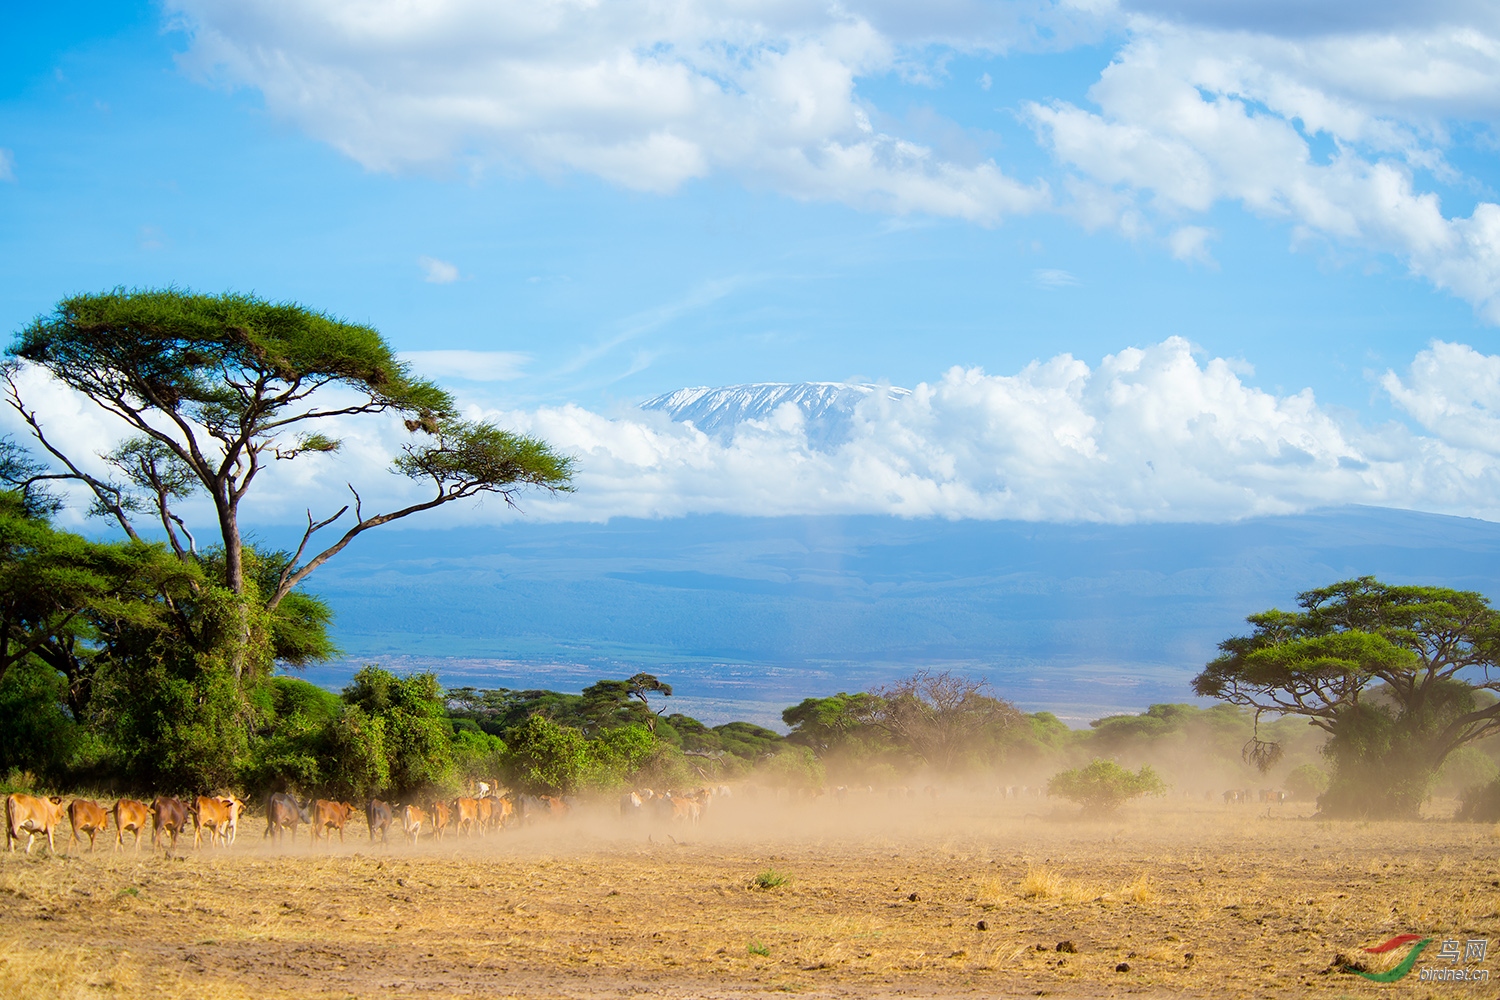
(623, 203)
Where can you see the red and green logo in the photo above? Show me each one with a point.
(1401, 969)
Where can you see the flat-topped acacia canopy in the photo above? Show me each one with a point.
(216, 357)
(217, 384)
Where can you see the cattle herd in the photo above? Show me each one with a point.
(485, 811)
(30, 816)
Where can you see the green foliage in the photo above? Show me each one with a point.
(417, 744)
(36, 732)
(547, 758)
(1388, 672)
(841, 723)
(1306, 782)
(1480, 803)
(1103, 786)
(174, 348)
(478, 756)
(1465, 768)
(464, 452)
(792, 767)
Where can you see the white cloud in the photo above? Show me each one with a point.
(1052, 278)
(643, 94)
(1452, 391)
(7, 166)
(437, 272)
(1334, 118)
(1190, 117)
(1190, 243)
(473, 366)
(1147, 434)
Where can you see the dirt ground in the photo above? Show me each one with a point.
(968, 895)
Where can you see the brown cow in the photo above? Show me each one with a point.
(31, 815)
(86, 816)
(502, 810)
(133, 816)
(440, 816)
(412, 819)
(329, 815)
(685, 809)
(465, 813)
(486, 817)
(212, 813)
(171, 819)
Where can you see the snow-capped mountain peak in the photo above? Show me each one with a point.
(827, 407)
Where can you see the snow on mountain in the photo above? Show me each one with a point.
(827, 407)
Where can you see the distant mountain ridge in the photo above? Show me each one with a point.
(827, 407)
(745, 616)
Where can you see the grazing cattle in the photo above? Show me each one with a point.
(235, 806)
(440, 816)
(630, 805)
(211, 813)
(86, 816)
(283, 813)
(171, 819)
(465, 813)
(31, 815)
(685, 809)
(485, 809)
(502, 811)
(412, 821)
(329, 815)
(378, 816)
(133, 816)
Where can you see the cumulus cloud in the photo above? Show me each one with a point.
(1452, 391)
(1188, 117)
(1146, 434)
(437, 272)
(1333, 117)
(474, 366)
(643, 94)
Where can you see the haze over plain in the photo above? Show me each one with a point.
(1149, 270)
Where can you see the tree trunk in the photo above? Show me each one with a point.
(234, 579)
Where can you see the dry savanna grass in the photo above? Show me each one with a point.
(965, 896)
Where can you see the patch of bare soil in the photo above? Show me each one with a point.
(962, 896)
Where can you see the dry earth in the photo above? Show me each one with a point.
(965, 896)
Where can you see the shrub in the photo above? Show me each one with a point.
(1480, 804)
(1103, 786)
(1465, 768)
(1306, 782)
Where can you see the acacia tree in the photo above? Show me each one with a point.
(1394, 675)
(216, 387)
(940, 717)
